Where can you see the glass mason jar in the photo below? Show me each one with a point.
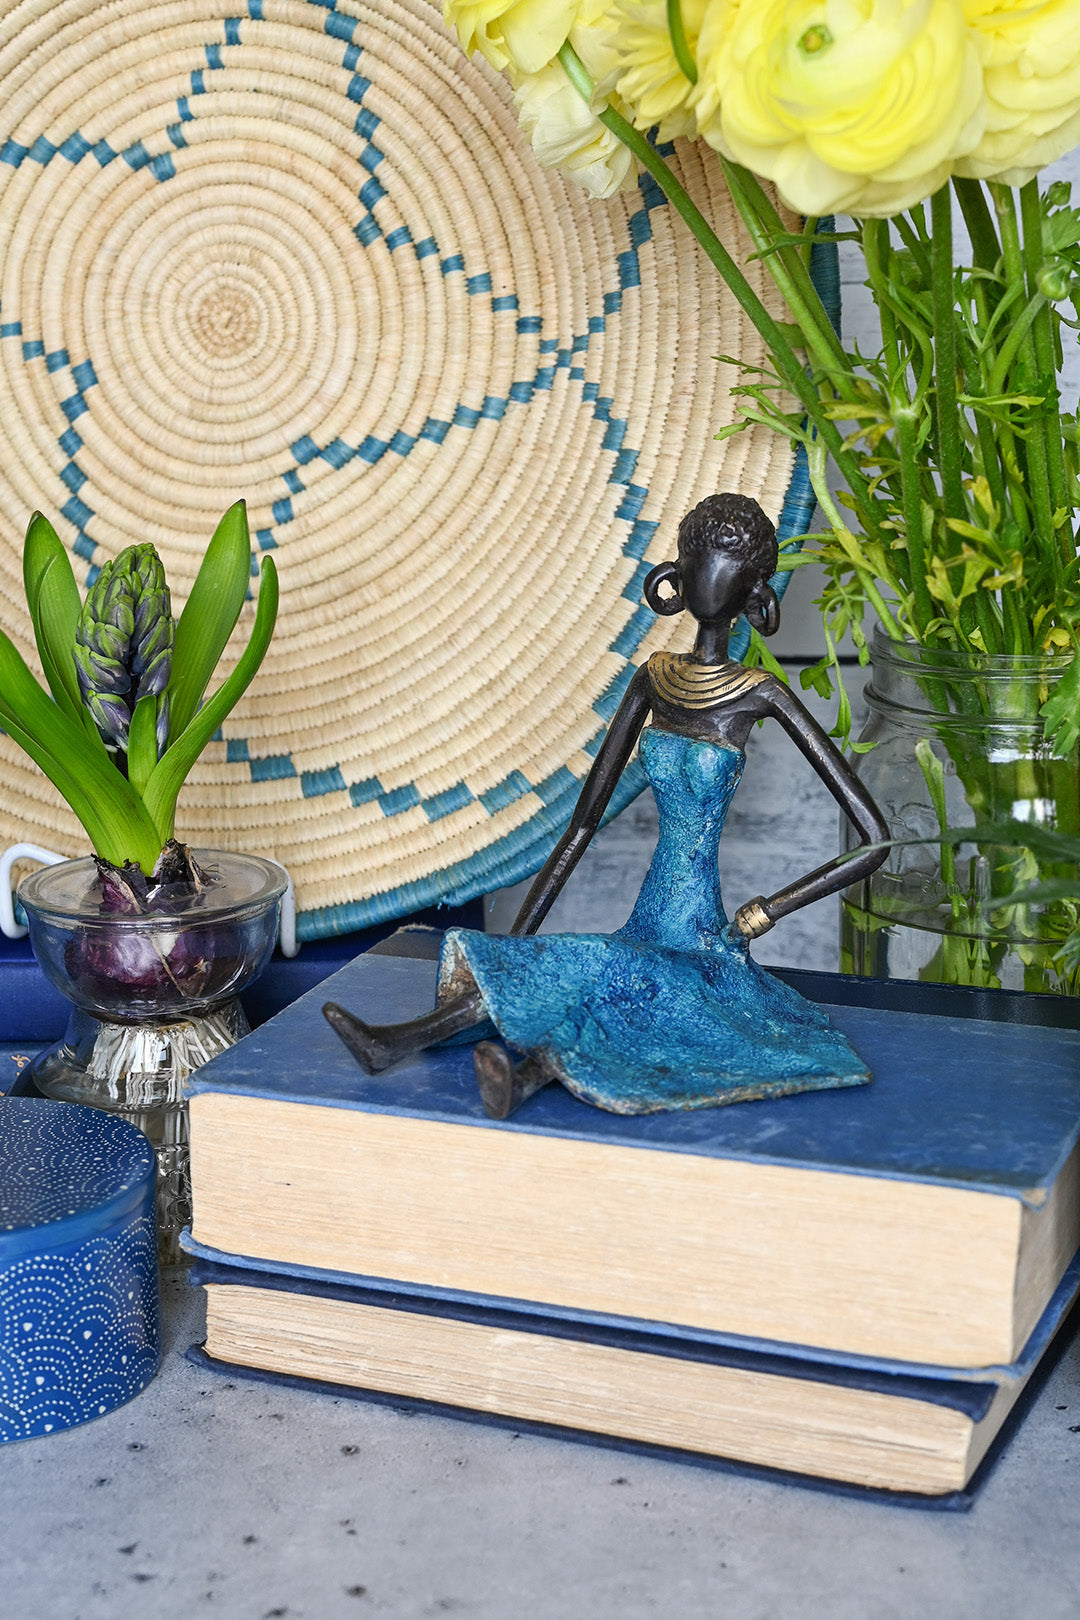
(958, 742)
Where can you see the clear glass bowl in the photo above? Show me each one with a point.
(162, 965)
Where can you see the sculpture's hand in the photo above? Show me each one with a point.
(753, 919)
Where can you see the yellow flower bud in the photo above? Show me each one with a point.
(565, 134)
(1031, 59)
(650, 80)
(523, 35)
(852, 106)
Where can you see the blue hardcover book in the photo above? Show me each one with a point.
(923, 1440)
(927, 1218)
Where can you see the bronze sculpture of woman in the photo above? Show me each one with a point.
(671, 1011)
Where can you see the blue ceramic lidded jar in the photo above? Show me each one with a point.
(79, 1311)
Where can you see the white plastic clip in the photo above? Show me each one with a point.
(287, 941)
(13, 853)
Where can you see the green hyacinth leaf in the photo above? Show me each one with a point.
(53, 599)
(106, 804)
(210, 615)
(142, 743)
(171, 771)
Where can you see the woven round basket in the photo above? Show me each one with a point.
(298, 252)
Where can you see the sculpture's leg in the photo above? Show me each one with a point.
(376, 1046)
(504, 1084)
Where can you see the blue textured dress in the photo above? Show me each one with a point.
(669, 1012)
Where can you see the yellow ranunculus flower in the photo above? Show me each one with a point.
(592, 36)
(650, 80)
(852, 106)
(1031, 56)
(715, 65)
(565, 134)
(522, 35)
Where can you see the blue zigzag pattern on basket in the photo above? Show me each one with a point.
(523, 851)
(519, 854)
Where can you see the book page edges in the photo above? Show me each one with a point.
(1049, 1237)
(899, 1270)
(801, 1425)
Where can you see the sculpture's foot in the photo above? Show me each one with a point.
(504, 1084)
(379, 1046)
(365, 1041)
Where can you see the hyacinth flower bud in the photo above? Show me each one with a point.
(124, 643)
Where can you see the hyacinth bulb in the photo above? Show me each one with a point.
(177, 959)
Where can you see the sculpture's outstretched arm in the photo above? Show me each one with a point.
(757, 916)
(593, 800)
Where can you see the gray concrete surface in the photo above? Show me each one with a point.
(208, 1496)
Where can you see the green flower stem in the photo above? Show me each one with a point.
(816, 462)
(997, 443)
(947, 409)
(1046, 367)
(1018, 340)
(980, 223)
(905, 420)
(787, 268)
(914, 244)
(679, 43)
(1017, 627)
(876, 241)
(934, 777)
(784, 356)
(806, 246)
(1021, 344)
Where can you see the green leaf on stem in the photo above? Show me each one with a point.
(1040, 894)
(1061, 711)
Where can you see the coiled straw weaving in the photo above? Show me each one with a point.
(298, 252)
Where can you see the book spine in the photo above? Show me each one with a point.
(33, 1010)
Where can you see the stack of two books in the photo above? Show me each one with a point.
(854, 1286)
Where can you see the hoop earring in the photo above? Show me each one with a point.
(664, 574)
(763, 611)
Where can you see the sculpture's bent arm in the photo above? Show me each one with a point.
(596, 791)
(829, 763)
